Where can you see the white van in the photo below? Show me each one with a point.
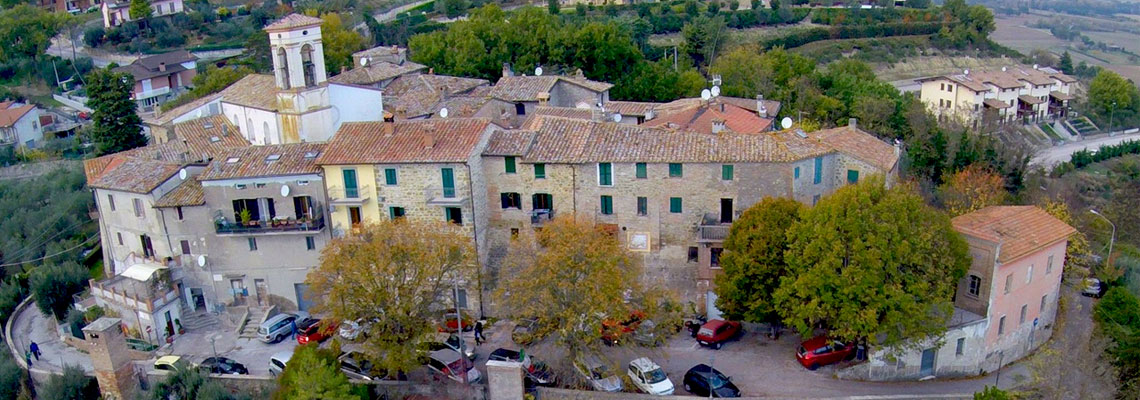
(277, 362)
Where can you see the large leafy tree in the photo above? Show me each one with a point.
(339, 43)
(972, 189)
(1117, 314)
(117, 126)
(140, 10)
(873, 263)
(313, 374)
(394, 273)
(704, 37)
(26, 31)
(1111, 97)
(753, 260)
(54, 284)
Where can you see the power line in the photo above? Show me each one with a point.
(52, 255)
(24, 251)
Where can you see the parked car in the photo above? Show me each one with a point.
(450, 324)
(222, 365)
(278, 361)
(647, 335)
(649, 378)
(1093, 288)
(353, 330)
(702, 379)
(821, 350)
(171, 363)
(537, 372)
(449, 364)
(278, 327)
(451, 342)
(313, 330)
(355, 366)
(714, 333)
(613, 331)
(597, 373)
(525, 331)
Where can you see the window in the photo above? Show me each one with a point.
(818, 171)
(520, 109)
(949, 88)
(310, 243)
(120, 236)
(676, 170)
(454, 215)
(511, 200)
(605, 174)
(1043, 301)
(252, 244)
(514, 233)
(539, 171)
(396, 212)
(303, 207)
(509, 164)
(726, 172)
(390, 176)
(1029, 275)
(1001, 325)
(354, 216)
(974, 286)
(607, 205)
(675, 205)
(641, 170)
(714, 257)
(447, 175)
(350, 189)
(642, 206)
(1008, 283)
(1049, 265)
(138, 207)
(111, 201)
(852, 176)
(185, 244)
(796, 173)
(693, 252)
(1024, 311)
(941, 86)
(178, 210)
(960, 347)
(541, 201)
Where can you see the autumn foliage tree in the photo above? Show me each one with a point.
(399, 275)
(872, 263)
(972, 189)
(753, 260)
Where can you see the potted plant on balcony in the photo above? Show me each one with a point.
(245, 216)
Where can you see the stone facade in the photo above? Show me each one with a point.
(114, 369)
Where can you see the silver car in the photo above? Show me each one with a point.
(355, 366)
(598, 373)
(278, 361)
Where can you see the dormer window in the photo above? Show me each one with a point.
(272, 158)
(232, 160)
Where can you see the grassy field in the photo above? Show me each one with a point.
(1015, 32)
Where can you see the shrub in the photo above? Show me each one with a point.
(11, 377)
(53, 286)
(72, 385)
(93, 36)
(170, 38)
(11, 294)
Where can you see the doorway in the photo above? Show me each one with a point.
(237, 287)
(169, 324)
(261, 289)
(927, 367)
(726, 211)
(197, 299)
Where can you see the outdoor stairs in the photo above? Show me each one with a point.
(200, 319)
(249, 330)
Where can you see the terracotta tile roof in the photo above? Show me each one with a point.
(265, 161)
(376, 72)
(423, 141)
(631, 108)
(564, 112)
(527, 88)
(465, 105)
(381, 51)
(204, 138)
(149, 67)
(1029, 99)
(995, 103)
(1020, 230)
(509, 143)
(189, 193)
(861, 145)
(1060, 96)
(136, 175)
(254, 90)
(9, 115)
(1063, 78)
(292, 21)
(422, 94)
(1001, 79)
(698, 117)
(168, 116)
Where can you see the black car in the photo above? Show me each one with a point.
(537, 372)
(701, 378)
(222, 365)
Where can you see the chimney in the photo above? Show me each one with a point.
(431, 71)
(578, 74)
(507, 70)
(343, 68)
(718, 125)
(760, 109)
(429, 136)
(543, 98)
(852, 123)
(162, 67)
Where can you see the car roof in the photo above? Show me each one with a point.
(591, 360)
(167, 360)
(283, 355)
(644, 364)
(815, 342)
(716, 323)
(446, 356)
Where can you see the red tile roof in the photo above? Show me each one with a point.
(254, 90)
(411, 96)
(189, 193)
(419, 141)
(1019, 230)
(859, 144)
(699, 117)
(193, 142)
(265, 161)
(293, 21)
(509, 143)
(136, 175)
(376, 72)
(9, 115)
(527, 88)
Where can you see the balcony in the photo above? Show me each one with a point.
(711, 230)
(146, 94)
(348, 196)
(444, 196)
(540, 217)
(278, 225)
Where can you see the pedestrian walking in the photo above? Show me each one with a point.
(36, 350)
(479, 339)
(28, 358)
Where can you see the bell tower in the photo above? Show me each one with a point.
(303, 104)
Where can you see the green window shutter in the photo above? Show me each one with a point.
(818, 171)
(641, 173)
(675, 170)
(605, 174)
(448, 178)
(510, 164)
(797, 173)
(852, 176)
(539, 171)
(607, 205)
(675, 205)
(390, 176)
(726, 172)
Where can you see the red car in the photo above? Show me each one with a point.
(450, 325)
(821, 350)
(714, 333)
(315, 330)
(613, 331)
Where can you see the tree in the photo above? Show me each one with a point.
(1066, 63)
(553, 7)
(313, 374)
(140, 10)
(872, 263)
(11, 294)
(189, 383)
(394, 273)
(452, 8)
(26, 31)
(1117, 314)
(1110, 93)
(117, 126)
(73, 384)
(12, 377)
(1078, 252)
(972, 189)
(703, 35)
(753, 260)
(339, 43)
(992, 393)
(918, 3)
(546, 272)
(1044, 58)
(54, 284)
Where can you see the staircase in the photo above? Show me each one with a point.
(200, 319)
(252, 320)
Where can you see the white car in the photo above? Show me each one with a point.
(649, 378)
(598, 373)
(1093, 287)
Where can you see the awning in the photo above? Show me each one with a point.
(995, 103)
(1029, 99)
(1060, 96)
(141, 272)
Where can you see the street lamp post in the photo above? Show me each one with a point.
(1112, 239)
(212, 339)
(1111, 117)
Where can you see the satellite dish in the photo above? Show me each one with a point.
(284, 190)
(201, 261)
(182, 174)
(715, 91)
(363, 61)
(1002, 69)
(538, 71)
(443, 112)
(706, 95)
(617, 117)
(786, 122)
(966, 72)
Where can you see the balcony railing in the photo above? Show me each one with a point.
(443, 196)
(348, 196)
(712, 229)
(279, 225)
(539, 217)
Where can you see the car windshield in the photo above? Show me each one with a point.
(655, 376)
(717, 381)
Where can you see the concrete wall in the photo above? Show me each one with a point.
(565, 94)
(355, 103)
(983, 255)
(1030, 282)
(252, 122)
(899, 364)
(28, 130)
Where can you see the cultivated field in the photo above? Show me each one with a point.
(1015, 32)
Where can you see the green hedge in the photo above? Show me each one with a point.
(1083, 158)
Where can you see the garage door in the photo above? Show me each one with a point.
(710, 306)
(304, 301)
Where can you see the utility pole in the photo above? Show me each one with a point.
(1111, 240)
(1111, 115)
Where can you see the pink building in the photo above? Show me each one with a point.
(161, 77)
(116, 12)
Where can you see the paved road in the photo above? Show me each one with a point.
(31, 326)
(1051, 156)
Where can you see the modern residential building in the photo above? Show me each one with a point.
(71, 6)
(1007, 95)
(1004, 307)
(116, 12)
(20, 125)
(161, 77)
